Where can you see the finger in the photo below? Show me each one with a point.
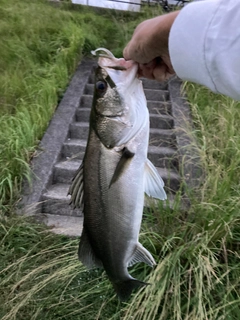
(162, 72)
(146, 69)
(159, 72)
(126, 55)
(166, 59)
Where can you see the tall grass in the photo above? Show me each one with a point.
(197, 252)
(196, 277)
(40, 47)
(39, 50)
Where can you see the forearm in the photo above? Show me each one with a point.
(204, 45)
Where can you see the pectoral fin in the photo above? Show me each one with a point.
(86, 254)
(141, 255)
(76, 189)
(127, 155)
(153, 182)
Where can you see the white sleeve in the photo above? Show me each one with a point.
(204, 45)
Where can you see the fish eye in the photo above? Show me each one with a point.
(101, 86)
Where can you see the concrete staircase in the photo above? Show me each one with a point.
(63, 146)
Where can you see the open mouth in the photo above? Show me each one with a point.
(121, 68)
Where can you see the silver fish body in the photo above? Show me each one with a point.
(114, 175)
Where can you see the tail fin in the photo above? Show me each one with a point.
(125, 288)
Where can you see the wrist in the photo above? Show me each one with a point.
(161, 30)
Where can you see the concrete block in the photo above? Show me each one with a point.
(86, 101)
(156, 95)
(79, 130)
(73, 149)
(64, 225)
(162, 138)
(163, 157)
(159, 107)
(161, 121)
(83, 114)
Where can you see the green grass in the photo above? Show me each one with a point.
(41, 46)
(197, 275)
(198, 270)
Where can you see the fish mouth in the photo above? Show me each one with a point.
(121, 68)
(106, 53)
(109, 62)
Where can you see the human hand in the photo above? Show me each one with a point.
(149, 47)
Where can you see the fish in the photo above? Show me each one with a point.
(115, 173)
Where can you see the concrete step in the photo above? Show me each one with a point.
(164, 137)
(73, 225)
(73, 148)
(160, 156)
(156, 95)
(153, 84)
(92, 78)
(161, 121)
(151, 94)
(171, 179)
(89, 88)
(83, 114)
(163, 157)
(63, 224)
(79, 130)
(55, 200)
(64, 172)
(159, 107)
(86, 101)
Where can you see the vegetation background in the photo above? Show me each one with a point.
(198, 271)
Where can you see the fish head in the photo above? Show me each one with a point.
(119, 101)
(107, 101)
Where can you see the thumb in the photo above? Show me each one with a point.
(167, 61)
(126, 54)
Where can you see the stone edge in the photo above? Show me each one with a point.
(189, 157)
(53, 140)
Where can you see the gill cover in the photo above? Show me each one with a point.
(119, 99)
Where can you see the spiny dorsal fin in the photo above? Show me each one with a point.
(153, 182)
(76, 189)
(122, 164)
(141, 255)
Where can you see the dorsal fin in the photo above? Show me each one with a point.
(76, 189)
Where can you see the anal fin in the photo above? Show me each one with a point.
(141, 255)
(86, 254)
